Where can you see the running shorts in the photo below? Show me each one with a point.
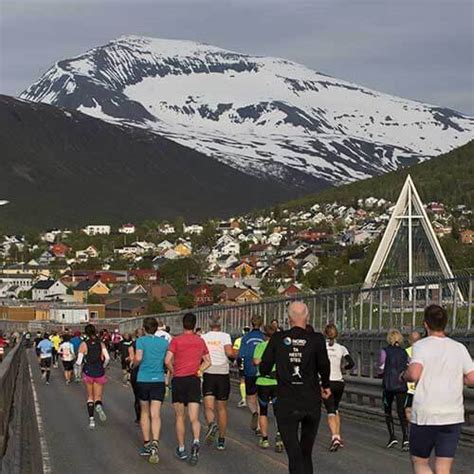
(216, 385)
(266, 394)
(68, 365)
(99, 380)
(186, 389)
(409, 400)
(250, 385)
(442, 438)
(332, 403)
(151, 391)
(45, 363)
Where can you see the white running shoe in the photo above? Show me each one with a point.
(242, 404)
(100, 411)
(91, 424)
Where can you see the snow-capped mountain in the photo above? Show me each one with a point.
(261, 115)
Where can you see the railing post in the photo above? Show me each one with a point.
(335, 309)
(361, 311)
(390, 306)
(414, 303)
(352, 311)
(371, 309)
(402, 306)
(455, 304)
(380, 308)
(327, 309)
(343, 319)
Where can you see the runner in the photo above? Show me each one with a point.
(441, 367)
(150, 358)
(266, 392)
(3, 346)
(45, 348)
(134, 372)
(339, 358)
(36, 342)
(105, 338)
(414, 337)
(56, 340)
(96, 357)
(247, 348)
(162, 331)
(216, 383)
(275, 325)
(76, 343)
(299, 357)
(66, 352)
(116, 339)
(125, 362)
(186, 360)
(393, 361)
(240, 364)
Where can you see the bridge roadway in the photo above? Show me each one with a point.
(113, 447)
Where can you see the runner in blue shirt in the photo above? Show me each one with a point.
(45, 350)
(246, 351)
(150, 357)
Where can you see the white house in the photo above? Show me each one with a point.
(193, 229)
(97, 230)
(86, 254)
(127, 229)
(166, 229)
(70, 314)
(48, 289)
(25, 281)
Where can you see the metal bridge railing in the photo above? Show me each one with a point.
(352, 309)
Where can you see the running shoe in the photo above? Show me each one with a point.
(278, 444)
(391, 443)
(221, 444)
(181, 454)
(264, 443)
(154, 458)
(47, 382)
(254, 422)
(194, 456)
(242, 404)
(100, 411)
(211, 433)
(405, 445)
(335, 445)
(145, 450)
(92, 424)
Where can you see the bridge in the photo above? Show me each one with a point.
(43, 429)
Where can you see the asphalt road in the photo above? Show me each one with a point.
(113, 447)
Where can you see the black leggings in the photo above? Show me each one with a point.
(400, 399)
(299, 448)
(133, 383)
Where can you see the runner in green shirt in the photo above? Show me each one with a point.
(266, 392)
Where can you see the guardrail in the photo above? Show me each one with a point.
(352, 309)
(20, 450)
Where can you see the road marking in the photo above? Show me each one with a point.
(39, 420)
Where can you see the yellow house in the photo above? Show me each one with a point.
(183, 250)
(85, 288)
(242, 269)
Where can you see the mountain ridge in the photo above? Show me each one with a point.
(264, 116)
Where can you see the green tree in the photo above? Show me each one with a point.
(154, 306)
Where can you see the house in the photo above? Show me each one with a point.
(144, 275)
(97, 230)
(48, 289)
(193, 229)
(126, 308)
(164, 245)
(161, 291)
(24, 281)
(166, 229)
(128, 289)
(86, 254)
(89, 287)
(290, 291)
(467, 237)
(202, 294)
(127, 229)
(76, 314)
(240, 270)
(238, 295)
(10, 291)
(183, 249)
(59, 250)
(171, 254)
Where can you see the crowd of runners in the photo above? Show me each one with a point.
(293, 372)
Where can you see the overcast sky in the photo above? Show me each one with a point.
(418, 49)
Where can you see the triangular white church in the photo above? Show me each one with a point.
(410, 236)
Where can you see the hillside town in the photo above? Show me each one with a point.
(102, 271)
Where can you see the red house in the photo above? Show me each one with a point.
(59, 250)
(202, 294)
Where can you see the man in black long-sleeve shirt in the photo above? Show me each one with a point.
(302, 369)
